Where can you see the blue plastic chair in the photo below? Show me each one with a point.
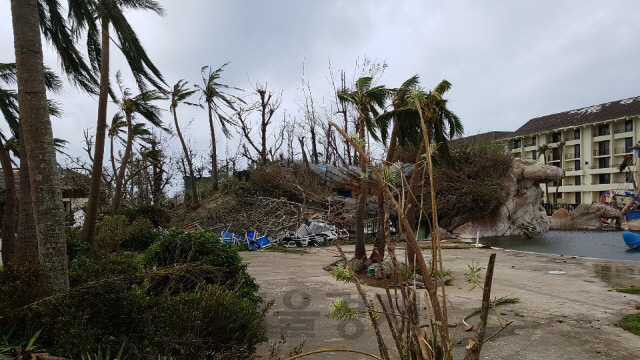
(263, 242)
(250, 238)
(228, 237)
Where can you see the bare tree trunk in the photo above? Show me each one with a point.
(9, 213)
(361, 207)
(187, 156)
(37, 137)
(91, 218)
(117, 195)
(214, 156)
(381, 223)
(305, 159)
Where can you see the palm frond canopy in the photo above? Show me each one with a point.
(56, 30)
(83, 16)
(216, 95)
(369, 102)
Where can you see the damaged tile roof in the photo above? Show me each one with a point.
(592, 114)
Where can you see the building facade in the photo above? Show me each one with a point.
(590, 144)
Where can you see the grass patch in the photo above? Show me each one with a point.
(631, 323)
(630, 290)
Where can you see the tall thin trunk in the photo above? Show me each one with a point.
(91, 218)
(37, 137)
(380, 222)
(414, 187)
(187, 156)
(117, 196)
(361, 206)
(214, 155)
(9, 213)
(314, 147)
(27, 241)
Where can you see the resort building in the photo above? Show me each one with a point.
(590, 144)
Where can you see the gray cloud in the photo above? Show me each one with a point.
(508, 61)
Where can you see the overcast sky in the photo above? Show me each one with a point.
(508, 61)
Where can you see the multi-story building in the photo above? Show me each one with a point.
(588, 143)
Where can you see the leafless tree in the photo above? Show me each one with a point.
(259, 114)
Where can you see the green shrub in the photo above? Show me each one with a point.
(207, 322)
(233, 323)
(78, 249)
(95, 267)
(159, 216)
(19, 286)
(183, 247)
(112, 231)
(141, 235)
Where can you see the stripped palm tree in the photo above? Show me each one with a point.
(217, 98)
(179, 95)
(130, 106)
(542, 149)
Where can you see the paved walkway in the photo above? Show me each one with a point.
(569, 316)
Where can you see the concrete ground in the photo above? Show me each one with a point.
(568, 316)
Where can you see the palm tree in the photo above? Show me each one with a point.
(179, 95)
(442, 125)
(405, 130)
(542, 149)
(560, 151)
(217, 99)
(367, 100)
(39, 149)
(141, 104)
(110, 14)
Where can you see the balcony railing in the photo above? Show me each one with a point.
(603, 133)
(602, 152)
(620, 131)
(572, 156)
(621, 150)
(553, 158)
(572, 169)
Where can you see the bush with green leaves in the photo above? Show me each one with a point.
(112, 231)
(171, 311)
(77, 249)
(140, 235)
(183, 247)
(97, 266)
(158, 215)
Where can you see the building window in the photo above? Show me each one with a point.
(556, 137)
(576, 134)
(576, 180)
(533, 141)
(578, 198)
(628, 125)
(517, 143)
(604, 162)
(628, 142)
(576, 151)
(603, 148)
(576, 165)
(604, 178)
(603, 129)
(534, 155)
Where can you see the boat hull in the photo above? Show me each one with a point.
(632, 240)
